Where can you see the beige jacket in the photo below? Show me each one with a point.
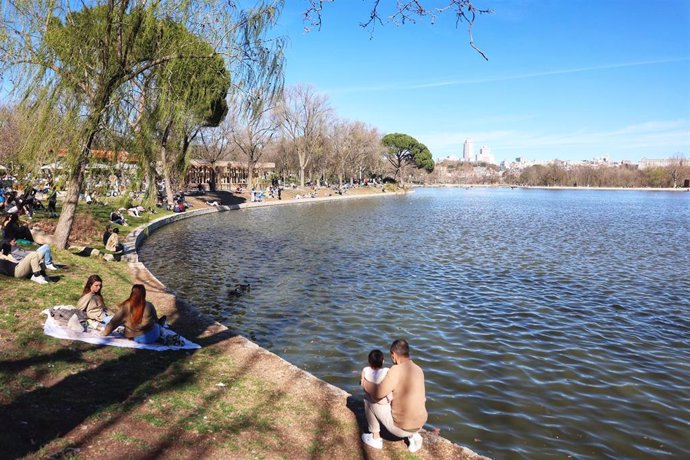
(93, 305)
(112, 243)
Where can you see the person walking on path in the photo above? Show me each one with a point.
(52, 202)
(407, 413)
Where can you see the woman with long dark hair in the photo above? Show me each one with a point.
(138, 316)
(91, 300)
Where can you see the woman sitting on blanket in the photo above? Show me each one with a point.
(91, 301)
(138, 316)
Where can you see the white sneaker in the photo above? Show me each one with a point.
(39, 279)
(51, 267)
(415, 442)
(369, 440)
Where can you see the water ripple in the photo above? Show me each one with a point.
(548, 324)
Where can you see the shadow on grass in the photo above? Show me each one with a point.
(225, 198)
(98, 399)
(37, 417)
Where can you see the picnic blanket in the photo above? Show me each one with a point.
(117, 339)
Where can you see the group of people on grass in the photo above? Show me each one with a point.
(25, 203)
(138, 316)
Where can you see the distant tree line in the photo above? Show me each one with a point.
(558, 174)
(601, 176)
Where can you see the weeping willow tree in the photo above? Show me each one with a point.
(176, 101)
(83, 59)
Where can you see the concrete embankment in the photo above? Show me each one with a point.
(341, 419)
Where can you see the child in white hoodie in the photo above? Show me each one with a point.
(375, 373)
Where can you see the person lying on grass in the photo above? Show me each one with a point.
(33, 265)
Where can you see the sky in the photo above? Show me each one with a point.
(565, 79)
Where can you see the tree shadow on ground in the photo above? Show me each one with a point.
(37, 417)
(105, 398)
(223, 197)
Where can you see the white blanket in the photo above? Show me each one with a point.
(116, 339)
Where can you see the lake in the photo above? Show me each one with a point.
(548, 323)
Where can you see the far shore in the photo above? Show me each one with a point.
(558, 187)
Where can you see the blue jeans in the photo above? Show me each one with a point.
(44, 253)
(150, 336)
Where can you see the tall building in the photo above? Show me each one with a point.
(485, 155)
(468, 151)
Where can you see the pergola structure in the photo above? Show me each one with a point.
(229, 174)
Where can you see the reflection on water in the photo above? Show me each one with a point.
(548, 323)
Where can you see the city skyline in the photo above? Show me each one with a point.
(560, 82)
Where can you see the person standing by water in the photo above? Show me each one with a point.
(407, 412)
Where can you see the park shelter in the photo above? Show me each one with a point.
(229, 174)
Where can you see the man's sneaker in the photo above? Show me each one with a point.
(51, 267)
(415, 442)
(369, 440)
(39, 279)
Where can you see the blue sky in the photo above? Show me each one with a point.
(567, 79)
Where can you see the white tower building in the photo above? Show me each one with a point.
(485, 155)
(468, 150)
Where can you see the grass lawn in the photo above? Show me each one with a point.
(229, 399)
(72, 399)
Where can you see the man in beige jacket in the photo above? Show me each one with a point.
(407, 413)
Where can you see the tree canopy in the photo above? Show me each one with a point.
(87, 60)
(403, 150)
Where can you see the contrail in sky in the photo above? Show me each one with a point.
(506, 78)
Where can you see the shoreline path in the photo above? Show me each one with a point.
(331, 424)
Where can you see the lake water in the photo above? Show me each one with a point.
(548, 323)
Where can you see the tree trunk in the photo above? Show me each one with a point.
(250, 174)
(166, 168)
(303, 163)
(69, 208)
(166, 178)
(212, 184)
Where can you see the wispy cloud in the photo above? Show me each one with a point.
(653, 137)
(473, 81)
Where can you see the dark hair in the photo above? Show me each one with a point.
(89, 282)
(6, 248)
(401, 347)
(376, 359)
(116, 230)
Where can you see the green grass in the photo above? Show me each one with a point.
(129, 440)
(174, 395)
(153, 420)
